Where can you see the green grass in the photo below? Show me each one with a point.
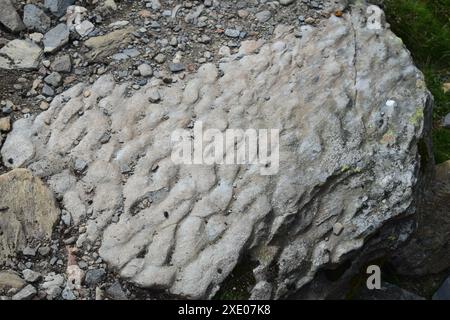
(424, 26)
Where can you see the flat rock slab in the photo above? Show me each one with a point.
(28, 211)
(10, 280)
(106, 45)
(56, 37)
(20, 54)
(348, 155)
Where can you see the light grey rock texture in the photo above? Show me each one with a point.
(9, 16)
(35, 19)
(20, 54)
(58, 7)
(26, 293)
(52, 285)
(56, 38)
(348, 154)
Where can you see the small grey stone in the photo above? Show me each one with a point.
(30, 275)
(54, 79)
(93, 277)
(263, 16)
(9, 17)
(48, 91)
(44, 251)
(232, 33)
(70, 240)
(116, 292)
(204, 39)
(80, 165)
(160, 58)
(68, 294)
(154, 4)
(62, 64)
(126, 54)
(154, 96)
(56, 37)
(58, 7)
(286, 2)
(35, 19)
(25, 294)
(145, 70)
(337, 228)
(176, 67)
(28, 251)
(84, 28)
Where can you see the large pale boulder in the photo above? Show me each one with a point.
(27, 209)
(351, 109)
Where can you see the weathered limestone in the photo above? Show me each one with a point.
(350, 107)
(28, 211)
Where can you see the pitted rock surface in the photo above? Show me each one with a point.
(349, 105)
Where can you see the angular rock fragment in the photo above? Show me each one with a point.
(58, 7)
(56, 38)
(35, 19)
(9, 17)
(62, 64)
(26, 293)
(20, 54)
